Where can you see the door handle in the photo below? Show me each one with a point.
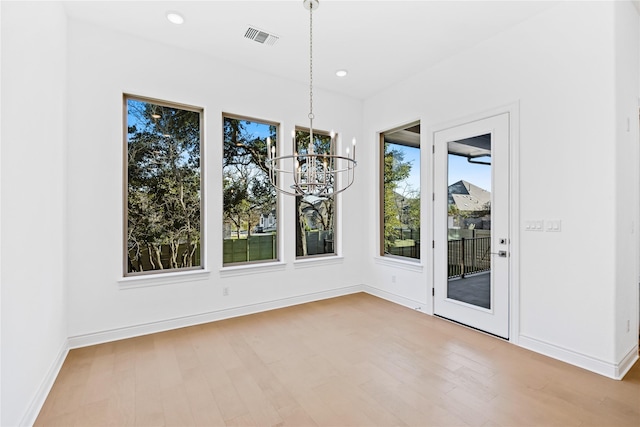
(501, 254)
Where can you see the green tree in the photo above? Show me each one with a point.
(247, 192)
(163, 178)
(396, 171)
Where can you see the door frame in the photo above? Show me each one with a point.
(513, 110)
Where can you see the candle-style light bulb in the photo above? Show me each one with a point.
(353, 142)
(324, 171)
(293, 139)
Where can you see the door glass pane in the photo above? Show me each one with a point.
(469, 221)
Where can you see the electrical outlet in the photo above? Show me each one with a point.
(628, 325)
(225, 291)
(393, 279)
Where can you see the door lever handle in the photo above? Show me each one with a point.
(501, 254)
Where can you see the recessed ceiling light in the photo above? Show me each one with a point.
(341, 73)
(175, 18)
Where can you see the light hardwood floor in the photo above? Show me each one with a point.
(350, 361)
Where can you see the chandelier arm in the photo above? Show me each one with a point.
(273, 160)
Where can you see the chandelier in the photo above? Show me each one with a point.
(314, 174)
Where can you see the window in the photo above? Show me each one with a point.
(315, 216)
(400, 198)
(250, 213)
(163, 187)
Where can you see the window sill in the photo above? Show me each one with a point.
(399, 263)
(160, 279)
(316, 261)
(241, 270)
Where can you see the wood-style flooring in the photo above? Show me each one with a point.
(350, 361)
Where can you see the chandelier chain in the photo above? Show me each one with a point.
(311, 116)
(315, 176)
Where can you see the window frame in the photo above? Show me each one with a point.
(125, 188)
(333, 198)
(381, 229)
(278, 210)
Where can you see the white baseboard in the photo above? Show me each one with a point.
(607, 369)
(197, 319)
(627, 362)
(38, 400)
(407, 302)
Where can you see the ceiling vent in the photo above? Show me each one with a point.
(261, 36)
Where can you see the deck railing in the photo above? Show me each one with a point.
(466, 256)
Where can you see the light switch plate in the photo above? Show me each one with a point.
(553, 225)
(534, 225)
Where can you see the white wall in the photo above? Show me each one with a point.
(102, 66)
(33, 100)
(627, 166)
(561, 72)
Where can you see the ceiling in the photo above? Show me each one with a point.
(378, 42)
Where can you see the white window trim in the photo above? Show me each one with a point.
(252, 268)
(248, 267)
(161, 279)
(410, 264)
(316, 260)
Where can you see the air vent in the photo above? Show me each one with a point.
(261, 36)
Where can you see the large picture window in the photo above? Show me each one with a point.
(315, 215)
(400, 192)
(250, 214)
(163, 188)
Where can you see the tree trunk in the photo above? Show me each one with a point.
(174, 253)
(157, 250)
(303, 234)
(150, 255)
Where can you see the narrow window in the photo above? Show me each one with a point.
(400, 192)
(250, 211)
(314, 215)
(163, 188)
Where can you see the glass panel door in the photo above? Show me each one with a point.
(471, 224)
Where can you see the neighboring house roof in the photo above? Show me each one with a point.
(468, 197)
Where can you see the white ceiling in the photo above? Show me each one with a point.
(379, 42)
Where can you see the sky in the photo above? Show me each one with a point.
(461, 169)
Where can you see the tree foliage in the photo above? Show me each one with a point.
(247, 192)
(163, 187)
(401, 202)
